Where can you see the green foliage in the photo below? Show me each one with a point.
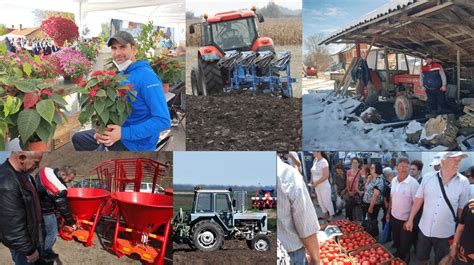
(89, 49)
(168, 69)
(146, 40)
(3, 29)
(104, 100)
(105, 34)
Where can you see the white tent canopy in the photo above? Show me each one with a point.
(162, 12)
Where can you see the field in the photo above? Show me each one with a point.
(248, 121)
(233, 252)
(283, 31)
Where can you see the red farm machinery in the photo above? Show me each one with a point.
(264, 199)
(141, 220)
(233, 56)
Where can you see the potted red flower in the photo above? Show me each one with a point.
(105, 99)
(168, 69)
(60, 29)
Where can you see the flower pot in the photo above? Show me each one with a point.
(39, 146)
(166, 87)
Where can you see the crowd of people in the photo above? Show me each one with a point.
(34, 46)
(430, 211)
(28, 223)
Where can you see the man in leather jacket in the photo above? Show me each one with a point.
(20, 210)
(53, 191)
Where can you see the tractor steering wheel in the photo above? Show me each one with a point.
(232, 33)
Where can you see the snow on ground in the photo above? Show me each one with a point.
(324, 126)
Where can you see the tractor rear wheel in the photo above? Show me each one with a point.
(261, 242)
(403, 108)
(211, 78)
(195, 83)
(208, 236)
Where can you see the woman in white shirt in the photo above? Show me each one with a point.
(319, 180)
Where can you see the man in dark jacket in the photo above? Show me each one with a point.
(20, 209)
(53, 191)
(433, 80)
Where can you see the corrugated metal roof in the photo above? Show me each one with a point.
(388, 8)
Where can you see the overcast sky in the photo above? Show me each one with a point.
(215, 6)
(224, 168)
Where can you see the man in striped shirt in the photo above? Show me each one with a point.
(297, 219)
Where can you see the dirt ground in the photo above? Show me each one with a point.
(74, 253)
(233, 252)
(243, 121)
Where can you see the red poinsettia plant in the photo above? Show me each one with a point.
(105, 99)
(60, 29)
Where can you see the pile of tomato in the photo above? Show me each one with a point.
(331, 254)
(346, 226)
(356, 240)
(372, 256)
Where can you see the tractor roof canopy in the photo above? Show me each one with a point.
(224, 16)
(213, 191)
(417, 27)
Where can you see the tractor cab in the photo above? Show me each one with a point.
(208, 203)
(233, 30)
(393, 72)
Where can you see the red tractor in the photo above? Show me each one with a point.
(394, 76)
(233, 56)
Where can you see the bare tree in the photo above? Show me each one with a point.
(316, 55)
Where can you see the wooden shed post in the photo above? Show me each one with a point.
(357, 48)
(458, 73)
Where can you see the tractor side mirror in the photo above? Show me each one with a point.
(191, 29)
(260, 18)
(234, 203)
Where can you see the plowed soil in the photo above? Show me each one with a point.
(233, 252)
(243, 121)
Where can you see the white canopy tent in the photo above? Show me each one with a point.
(169, 13)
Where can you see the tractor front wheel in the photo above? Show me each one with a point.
(403, 108)
(195, 82)
(261, 242)
(211, 78)
(208, 236)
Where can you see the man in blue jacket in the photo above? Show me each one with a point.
(150, 114)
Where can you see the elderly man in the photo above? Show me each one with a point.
(297, 219)
(443, 193)
(402, 197)
(150, 115)
(20, 209)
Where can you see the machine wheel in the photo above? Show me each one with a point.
(211, 78)
(403, 108)
(261, 242)
(195, 84)
(208, 236)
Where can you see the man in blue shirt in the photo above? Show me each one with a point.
(150, 115)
